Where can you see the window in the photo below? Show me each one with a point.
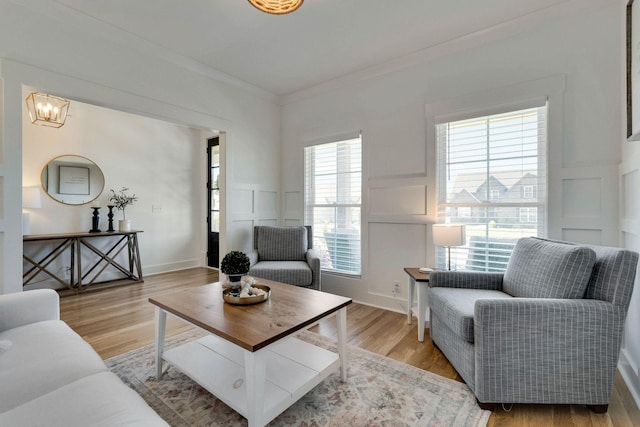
(333, 197)
(528, 215)
(492, 177)
(528, 192)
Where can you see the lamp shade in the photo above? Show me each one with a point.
(31, 198)
(448, 235)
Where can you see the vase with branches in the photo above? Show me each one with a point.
(121, 200)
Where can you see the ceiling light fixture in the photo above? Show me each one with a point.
(277, 7)
(47, 110)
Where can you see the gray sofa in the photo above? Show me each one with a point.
(547, 331)
(49, 376)
(285, 254)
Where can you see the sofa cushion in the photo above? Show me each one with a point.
(455, 306)
(97, 400)
(292, 272)
(541, 268)
(281, 243)
(44, 356)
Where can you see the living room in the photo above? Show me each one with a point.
(552, 52)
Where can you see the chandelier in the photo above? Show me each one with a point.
(277, 7)
(47, 110)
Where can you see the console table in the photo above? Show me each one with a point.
(77, 244)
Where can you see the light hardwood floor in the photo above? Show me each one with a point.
(119, 319)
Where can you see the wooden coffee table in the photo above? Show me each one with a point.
(250, 360)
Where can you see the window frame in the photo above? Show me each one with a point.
(483, 101)
(530, 194)
(308, 217)
(489, 205)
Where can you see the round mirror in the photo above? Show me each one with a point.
(72, 180)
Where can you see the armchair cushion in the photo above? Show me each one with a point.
(292, 272)
(540, 268)
(455, 307)
(282, 243)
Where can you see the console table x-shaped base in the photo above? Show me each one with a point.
(74, 242)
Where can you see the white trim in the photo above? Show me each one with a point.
(630, 376)
(497, 99)
(333, 138)
(431, 53)
(525, 104)
(62, 13)
(550, 88)
(308, 218)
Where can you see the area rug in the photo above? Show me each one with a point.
(379, 392)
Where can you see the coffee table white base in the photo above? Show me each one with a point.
(258, 385)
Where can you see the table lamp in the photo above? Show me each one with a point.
(448, 235)
(30, 200)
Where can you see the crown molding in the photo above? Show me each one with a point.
(440, 50)
(70, 16)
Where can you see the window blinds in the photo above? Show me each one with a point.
(333, 197)
(492, 177)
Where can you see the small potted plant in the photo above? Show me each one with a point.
(235, 264)
(121, 200)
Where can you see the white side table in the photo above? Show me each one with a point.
(422, 280)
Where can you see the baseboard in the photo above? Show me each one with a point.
(172, 266)
(630, 376)
(380, 306)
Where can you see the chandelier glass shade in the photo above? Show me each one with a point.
(277, 7)
(47, 110)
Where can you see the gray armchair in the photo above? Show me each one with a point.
(546, 331)
(285, 254)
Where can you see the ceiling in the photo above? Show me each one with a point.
(321, 41)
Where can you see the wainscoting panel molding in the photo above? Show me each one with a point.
(267, 203)
(629, 179)
(590, 237)
(630, 182)
(252, 205)
(293, 205)
(401, 200)
(243, 203)
(575, 205)
(387, 266)
(243, 232)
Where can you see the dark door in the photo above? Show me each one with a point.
(213, 202)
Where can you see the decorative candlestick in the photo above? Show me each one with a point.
(95, 220)
(110, 215)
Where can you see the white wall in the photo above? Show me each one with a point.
(157, 160)
(630, 239)
(391, 105)
(108, 72)
(629, 175)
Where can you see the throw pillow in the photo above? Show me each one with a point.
(541, 268)
(282, 243)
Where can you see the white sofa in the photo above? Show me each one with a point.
(49, 376)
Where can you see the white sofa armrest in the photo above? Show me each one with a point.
(22, 308)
